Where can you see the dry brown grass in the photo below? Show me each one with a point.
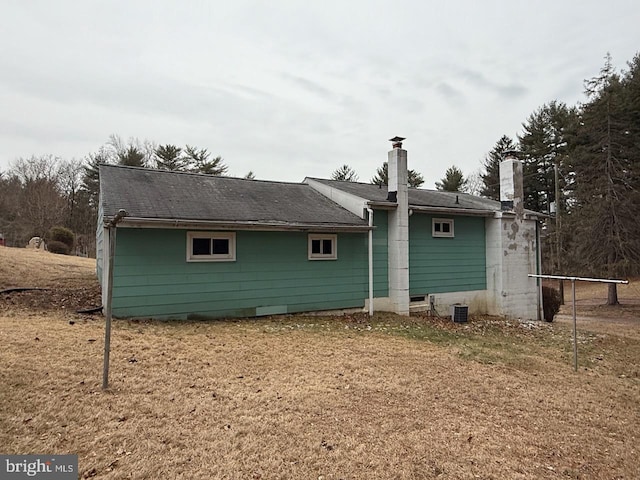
(312, 397)
(21, 267)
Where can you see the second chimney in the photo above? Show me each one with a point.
(511, 183)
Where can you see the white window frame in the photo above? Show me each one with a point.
(441, 221)
(323, 256)
(228, 257)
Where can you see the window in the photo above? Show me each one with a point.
(442, 227)
(323, 247)
(211, 247)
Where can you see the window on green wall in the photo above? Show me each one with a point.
(442, 227)
(211, 246)
(323, 247)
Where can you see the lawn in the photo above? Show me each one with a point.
(310, 397)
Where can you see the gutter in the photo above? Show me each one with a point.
(382, 205)
(138, 222)
(453, 211)
(436, 210)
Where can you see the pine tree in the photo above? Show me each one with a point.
(607, 176)
(201, 162)
(453, 181)
(132, 156)
(414, 179)
(491, 164)
(544, 145)
(169, 157)
(345, 174)
(91, 175)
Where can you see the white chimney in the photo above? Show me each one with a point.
(398, 228)
(511, 183)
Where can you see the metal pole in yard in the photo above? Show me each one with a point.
(107, 332)
(575, 326)
(107, 328)
(573, 290)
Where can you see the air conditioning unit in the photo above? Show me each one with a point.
(459, 313)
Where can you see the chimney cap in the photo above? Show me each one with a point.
(510, 154)
(397, 141)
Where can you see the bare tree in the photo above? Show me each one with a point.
(42, 203)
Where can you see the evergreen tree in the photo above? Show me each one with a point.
(382, 175)
(202, 163)
(607, 177)
(250, 175)
(491, 164)
(453, 181)
(345, 174)
(169, 157)
(414, 179)
(132, 156)
(544, 145)
(91, 175)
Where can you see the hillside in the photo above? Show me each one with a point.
(68, 282)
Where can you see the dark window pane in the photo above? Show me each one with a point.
(326, 247)
(437, 227)
(221, 246)
(201, 246)
(315, 247)
(446, 228)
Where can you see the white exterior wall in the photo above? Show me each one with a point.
(398, 233)
(493, 234)
(476, 300)
(511, 256)
(519, 294)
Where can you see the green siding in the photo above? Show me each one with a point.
(440, 265)
(380, 254)
(271, 274)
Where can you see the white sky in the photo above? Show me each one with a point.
(290, 89)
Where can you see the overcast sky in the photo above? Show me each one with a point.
(290, 89)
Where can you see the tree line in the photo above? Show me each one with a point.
(41, 192)
(581, 169)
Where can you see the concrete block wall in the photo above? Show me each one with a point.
(520, 297)
(398, 232)
(511, 256)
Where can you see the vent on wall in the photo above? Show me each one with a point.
(459, 313)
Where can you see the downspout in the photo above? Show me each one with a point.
(370, 212)
(539, 270)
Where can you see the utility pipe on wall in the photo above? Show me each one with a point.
(370, 212)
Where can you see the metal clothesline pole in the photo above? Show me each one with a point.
(573, 301)
(108, 311)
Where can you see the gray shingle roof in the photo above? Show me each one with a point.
(164, 195)
(417, 197)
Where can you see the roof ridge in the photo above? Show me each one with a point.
(198, 174)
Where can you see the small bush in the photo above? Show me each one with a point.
(551, 302)
(62, 234)
(55, 246)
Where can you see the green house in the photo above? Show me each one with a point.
(202, 246)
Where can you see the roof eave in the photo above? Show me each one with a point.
(453, 211)
(382, 205)
(139, 222)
